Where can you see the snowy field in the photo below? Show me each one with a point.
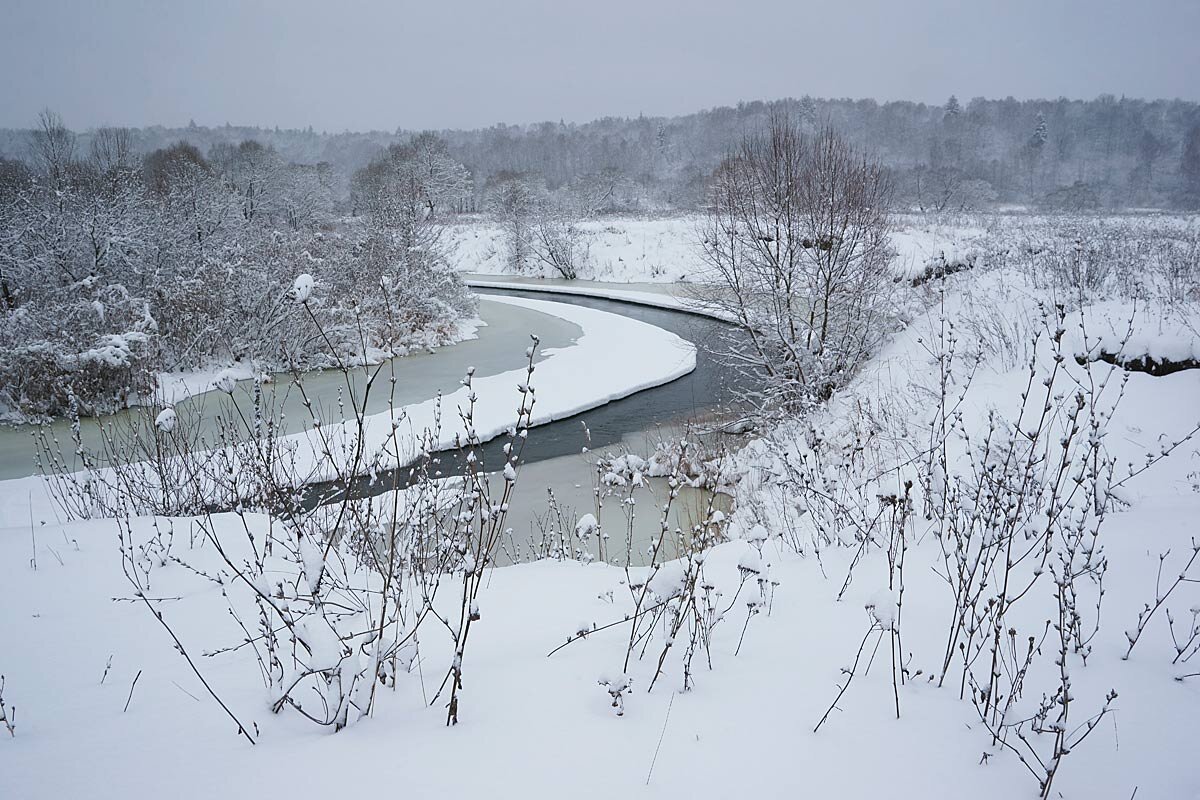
(665, 249)
(621, 250)
(834, 599)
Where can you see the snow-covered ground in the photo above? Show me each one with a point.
(618, 249)
(537, 726)
(673, 297)
(106, 707)
(666, 249)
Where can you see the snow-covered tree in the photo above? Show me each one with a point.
(796, 241)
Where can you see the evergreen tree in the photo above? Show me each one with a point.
(1041, 134)
(953, 109)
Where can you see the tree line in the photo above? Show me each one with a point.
(1061, 154)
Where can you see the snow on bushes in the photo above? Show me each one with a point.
(110, 277)
(302, 287)
(998, 475)
(166, 419)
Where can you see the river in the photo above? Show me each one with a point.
(553, 458)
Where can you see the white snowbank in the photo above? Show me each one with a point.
(920, 244)
(671, 302)
(1148, 331)
(596, 370)
(175, 387)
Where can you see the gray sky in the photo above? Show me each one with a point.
(366, 64)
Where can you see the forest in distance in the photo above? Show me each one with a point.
(1105, 153)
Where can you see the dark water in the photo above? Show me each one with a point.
(709, 389)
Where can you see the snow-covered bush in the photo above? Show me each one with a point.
(150, 461)
(796, 241)
(540, 227)
(673, 605)
(1079, 260)
(110, 274)
(1186, 641)
(559, 535)
(329, 587)
(1011, 483)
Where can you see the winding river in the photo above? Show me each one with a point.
(553, 457)
(498, 347)
(554, 460)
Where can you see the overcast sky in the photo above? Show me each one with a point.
(382, 64)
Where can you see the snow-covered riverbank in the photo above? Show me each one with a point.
(593, 370)
(794, 602)
(669, 296)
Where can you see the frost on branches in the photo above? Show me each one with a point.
(116, 268)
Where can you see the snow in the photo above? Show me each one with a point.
(114, 349)
(592, 372)
(665, 250)
(617, 249)
(746, 727)
(654, 299)
(1146, 331)
(226, 381)
(302, 287)
(919, 243)
(667, 582)
(175, 387)
(166, 419)
(526, 717)
(586, 526)
(751, 562)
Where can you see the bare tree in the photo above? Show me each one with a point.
(444, 183)
(417, 177)
(111, 151)
(52, 148)
(796, 239)
(539, 226)
(513, 201)
(254, 172)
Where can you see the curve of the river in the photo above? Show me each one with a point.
(499, 347)
(552, 458)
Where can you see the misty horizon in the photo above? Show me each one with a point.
(378, 67)
(32, 122)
